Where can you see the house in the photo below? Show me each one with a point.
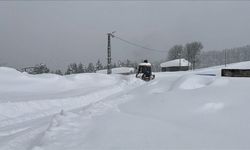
(119, 70)
(175, 65)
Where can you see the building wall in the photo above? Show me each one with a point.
(175, 68)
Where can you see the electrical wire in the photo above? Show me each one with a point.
(140, 46)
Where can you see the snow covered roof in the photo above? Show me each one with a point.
(119, 70)
(175, 62)
(144, 64)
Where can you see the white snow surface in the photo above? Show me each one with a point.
(145, 64)
(118, 70)
(176, 62)
(176, 110)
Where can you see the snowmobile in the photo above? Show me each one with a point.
(144, 71)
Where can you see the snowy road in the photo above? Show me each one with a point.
(26, 116)
(184, 110)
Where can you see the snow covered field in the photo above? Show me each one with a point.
(177, 110)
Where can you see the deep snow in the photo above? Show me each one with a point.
(118, 70)
(187, 110)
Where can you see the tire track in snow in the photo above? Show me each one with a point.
(22, 139)
(18, 134)
(93, 109)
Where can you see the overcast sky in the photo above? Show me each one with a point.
(58, 33)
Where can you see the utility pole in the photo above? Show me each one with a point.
(225, 58)
(179, 54)
(109, 71)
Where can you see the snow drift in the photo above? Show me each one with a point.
(177, 110)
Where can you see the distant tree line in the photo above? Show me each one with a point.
(74, 68)
(200, 59)
(226, 56)
(191, 52)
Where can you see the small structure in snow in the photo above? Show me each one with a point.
(120, 70)
(175, 65)
(235, 72)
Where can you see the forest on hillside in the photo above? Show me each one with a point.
(202, 59)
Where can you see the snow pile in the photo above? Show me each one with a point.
(33, 96)
(193, 82)
(177, 110)
(176, 62)
(28, 102)
(120, 70)
(212, 107)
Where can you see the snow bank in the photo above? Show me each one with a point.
(181, 110)
(211, 107)
(120, 70)
(190, 82)
(176, 62)
(174, 111)
(25, 97)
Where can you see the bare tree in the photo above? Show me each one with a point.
(175, 52)
(192, 50)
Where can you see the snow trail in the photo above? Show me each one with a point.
(178, 110)
(23, 122)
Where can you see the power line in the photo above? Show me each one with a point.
(140, 46)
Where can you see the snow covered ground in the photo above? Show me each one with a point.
(177, 110)
(119, 70)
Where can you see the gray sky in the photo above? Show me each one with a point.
(58, 33)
